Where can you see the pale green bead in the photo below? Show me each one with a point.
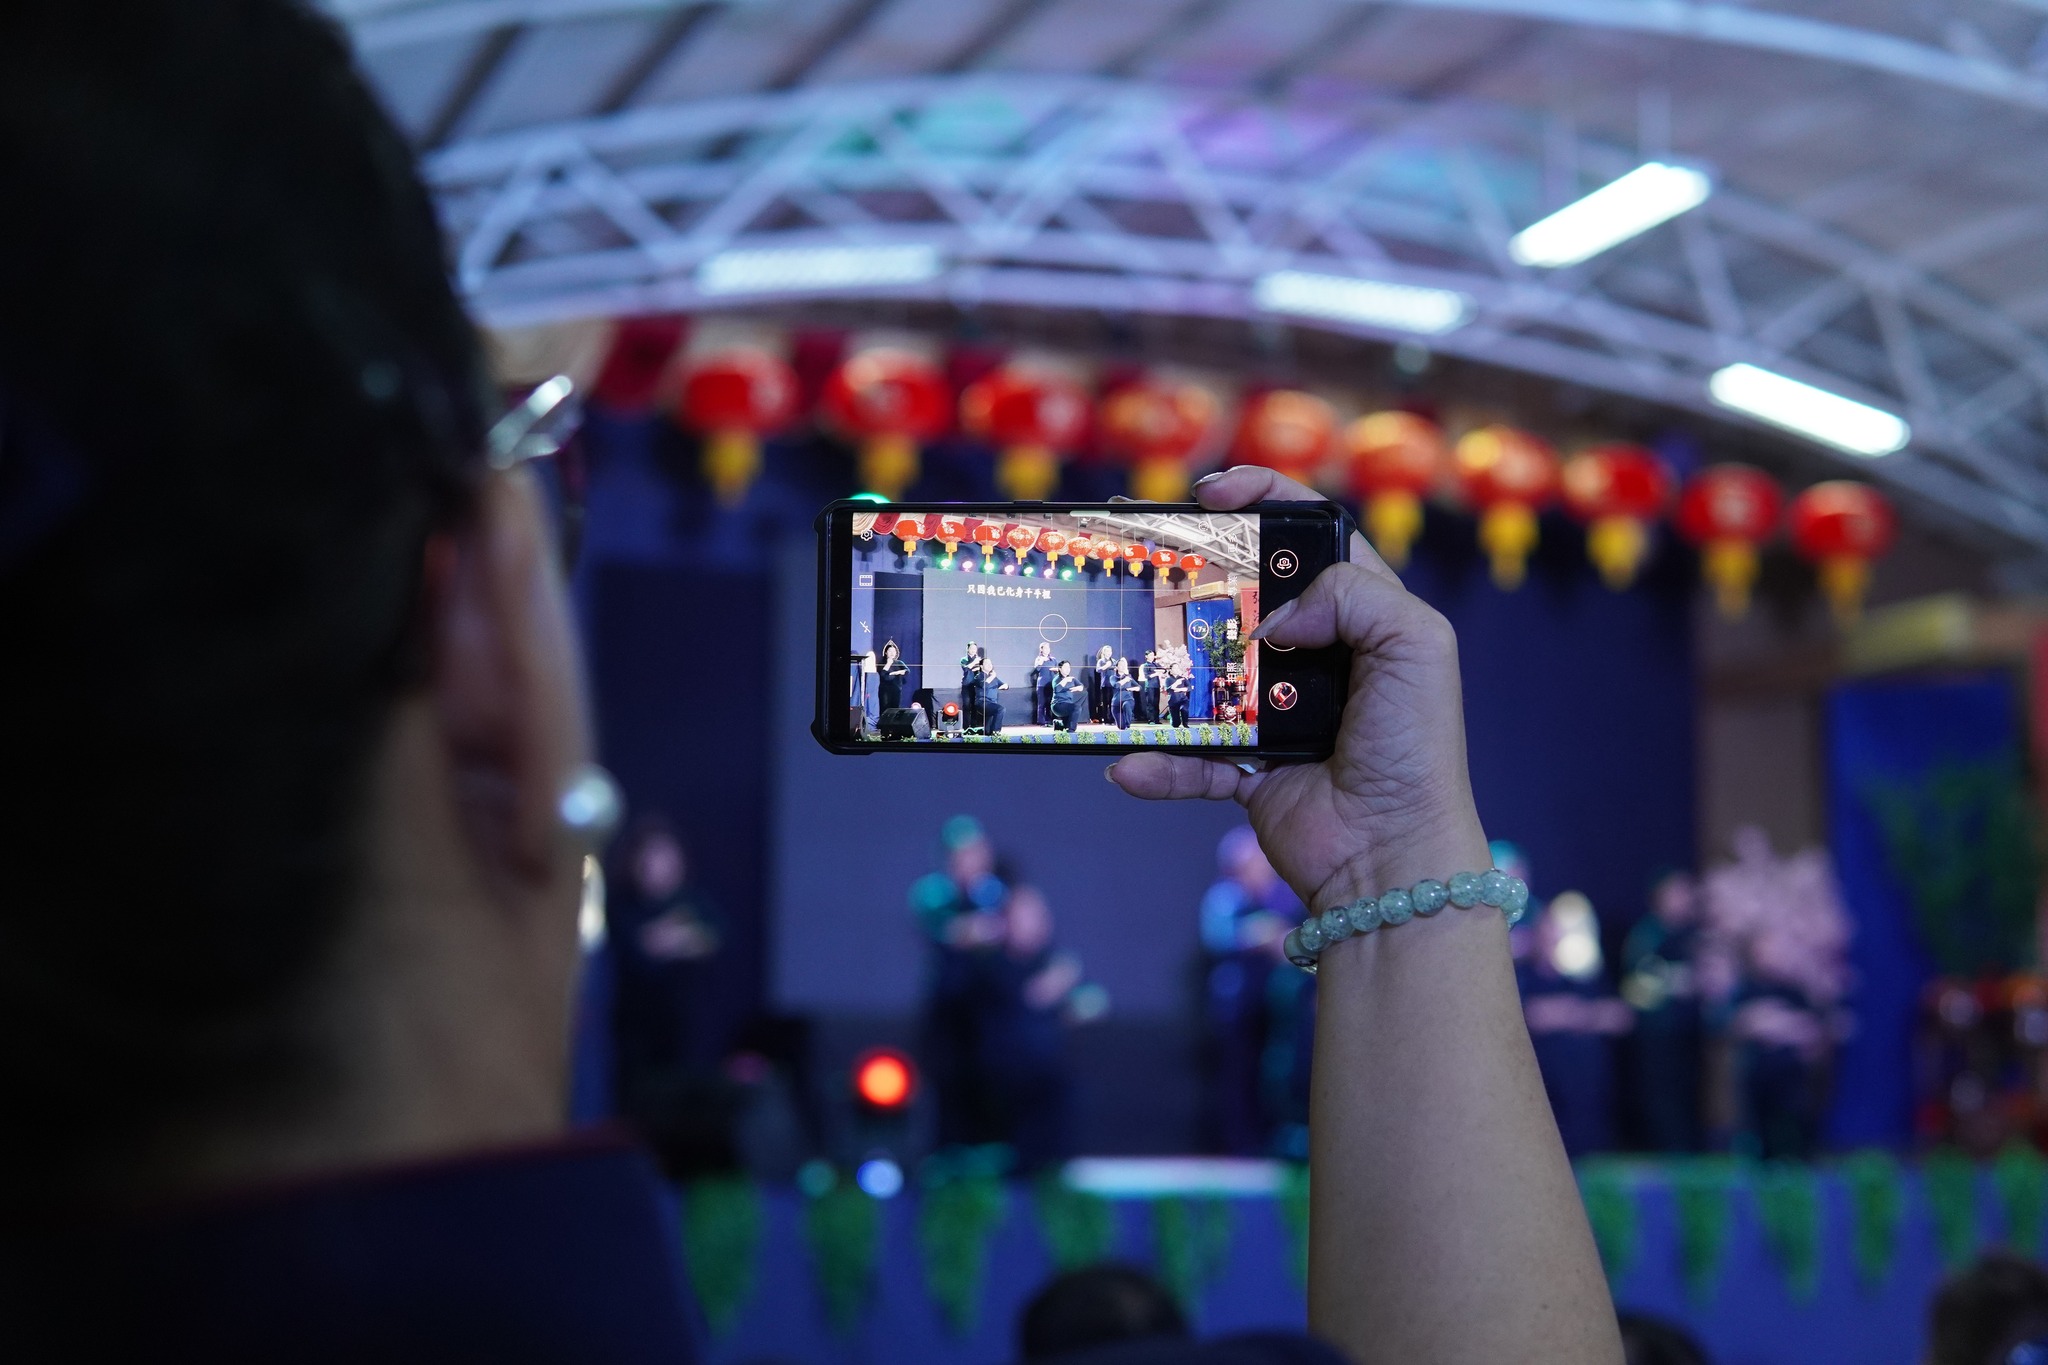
(1429, 897)
(1493, 888)
(1296, 954)
(1465, 890)
(1396, 907)
(1365, 915)
(1311, 936)
(1516, 915)
(1518, 897)
(1335, 924)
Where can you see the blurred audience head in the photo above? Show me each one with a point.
(1675, 899)
(968, 854)
(1239, 857)
(286, 631)
(656, 858)
(1098, 1306)
(1979, 1316)
(1647, 1340)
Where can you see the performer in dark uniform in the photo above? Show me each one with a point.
(1177, 697)
(970, 686)
(991, 703)
(1100, 679)
(1123, 695)
(1147, 675)
(1069, 698)
(894, 673)
(1043, 672)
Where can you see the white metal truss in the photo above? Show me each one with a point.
(1100, 195)
(1230, 543)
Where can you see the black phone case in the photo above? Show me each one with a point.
(827, 676)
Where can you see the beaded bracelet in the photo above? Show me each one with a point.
(1306, 941)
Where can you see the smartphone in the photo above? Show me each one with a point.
(1049, 628)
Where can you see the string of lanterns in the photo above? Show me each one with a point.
(910, 530)
(890, 402)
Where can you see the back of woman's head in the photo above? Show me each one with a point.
(236, 394)
(1097, 1306)
(1978, 1316)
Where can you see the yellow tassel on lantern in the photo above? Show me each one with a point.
(732, 461)
(1393, 519)
(1160, 481)
(1027, 473)
(1843, 578)
(888, 464)
(1616, 546)
(1508, 533)
(1731, 567)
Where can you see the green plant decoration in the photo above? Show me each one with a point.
(721, 1236)
(2021, 1179)
(844, 1229)
(1294, 1212)
(955, 1221)
(1964, 842)
(1078, 1227)
(1877, 1203)
(1611, 1209)
(1700, 1188)
(1788, 1205)
(1192, 1237)
(1949, 1180)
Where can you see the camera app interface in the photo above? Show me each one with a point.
(1127, 628)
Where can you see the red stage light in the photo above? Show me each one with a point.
(884, 1079)
(952, 709)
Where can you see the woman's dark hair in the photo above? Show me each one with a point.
(1097, 1306)
(1978, 1316)
(888, 645)
(237, 393)
(1647, 1340)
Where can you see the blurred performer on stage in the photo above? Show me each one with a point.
(1101, 686)
(1178, 692)
(989, 689)
(1069, 698)
(1123, 697)
(1573, 1021)
(664, 938)
(1043, 673)
(959, 910)
(1660, 982)
(1244, 917)
(892, 675)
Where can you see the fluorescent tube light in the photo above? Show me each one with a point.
(1371, 303)
(1648, 195)
(1826, 417)
(791, 270)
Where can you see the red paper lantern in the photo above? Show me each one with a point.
(1617, 490)
(1079, 546)
(1030, 416)
(1396, 458)
(1134, 557)
(734, 398)
(1842, 526)
(1157, 428)
(1021, 538)
(910, 531)
(1163, 559)
(1191, 563)
(889, 401)
(1287, 430)
(987, 536)
(1051, 542)
(1728, 510)
(948, 530)
(1509, 476)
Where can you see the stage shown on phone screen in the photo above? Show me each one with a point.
(1085, 628)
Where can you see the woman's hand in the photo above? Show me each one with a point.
(1392, 804)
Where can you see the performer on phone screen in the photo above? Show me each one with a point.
(970, 685)
(1146, 676)
(892, 675)
(989, 690)
(1043, 673)
(1178, 693)
(1069, 698)
(1123, 699)
(1104, 685)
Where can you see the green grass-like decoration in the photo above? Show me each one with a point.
(1701, 1187)
(1789, 1207)
(1948, 1180)
(2021, 1179)
(1294, 1214)
(1192, 1241)
(955, 1221)
(1079, 1228)
(1877, 1203)
(1611, 1210)
(843, 1228)
(721, 1236)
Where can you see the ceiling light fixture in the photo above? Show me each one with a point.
(803, 270)
(1648, 195)
(1829, 418)
(1369, 303)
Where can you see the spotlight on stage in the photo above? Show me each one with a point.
(1009, 568)
(946, 563)
(884, 1078)
(879, 1178)
(949, 718)
(1030, 569)
(1066, 573)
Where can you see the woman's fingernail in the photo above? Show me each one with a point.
(1210, 478)
(1109, 774)
(1281, 613)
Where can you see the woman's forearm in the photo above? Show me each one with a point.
(1445, 1225)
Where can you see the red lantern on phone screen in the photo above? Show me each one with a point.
(987, 536)
(1020, 539)
(947, 530)
(910, 531)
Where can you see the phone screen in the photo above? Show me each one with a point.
(1104, 626)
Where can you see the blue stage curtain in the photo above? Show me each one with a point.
(1888, 732)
